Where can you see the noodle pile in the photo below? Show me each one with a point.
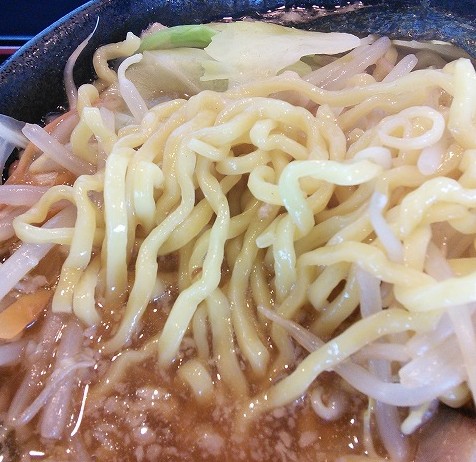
(322, 221)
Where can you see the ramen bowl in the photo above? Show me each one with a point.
(146, 327)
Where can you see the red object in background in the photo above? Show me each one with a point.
(22, 19)
(7, 51)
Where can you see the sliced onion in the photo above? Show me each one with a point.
(57, 151)
(6, 150)
(437, 365)
(377, 154)
(21, 194)
(460, 316)
(361, 379)
(403, 67)
(70, 87)
(27, 256)
(55, 414)
(388, 419)
(11, 353)
(39, 360)
(129, 92)
(387, 237)
(369, 292)
(387, 416)
(55, 381)
(431, 157)
(388, 351)
(6, 226)
(11, 131)
(334, 75)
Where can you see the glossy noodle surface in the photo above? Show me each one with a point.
(242, 242)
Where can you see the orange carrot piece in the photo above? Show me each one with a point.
(22, 312)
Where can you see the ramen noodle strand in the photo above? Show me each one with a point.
(352, 96)
(263, 297)
(146, 264)
(336, 350)
(200, 332)
(331, 171)
(188, 300)
(82, 242)
(333, 314)
(196, 222)
(111, 51)
(84, 298)
(198, 379)
(284, 258)
(371, 259)
(224, 349)
(115, 245)
(461, 117)
(251, 345)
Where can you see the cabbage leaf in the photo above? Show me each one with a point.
(174, 72)
(244, 51)
(184, 60)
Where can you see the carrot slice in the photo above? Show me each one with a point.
(22, 312)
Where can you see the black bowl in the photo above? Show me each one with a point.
(31, 81)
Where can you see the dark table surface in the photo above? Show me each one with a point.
(22, 19)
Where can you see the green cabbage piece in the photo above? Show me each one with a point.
(190, 36)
